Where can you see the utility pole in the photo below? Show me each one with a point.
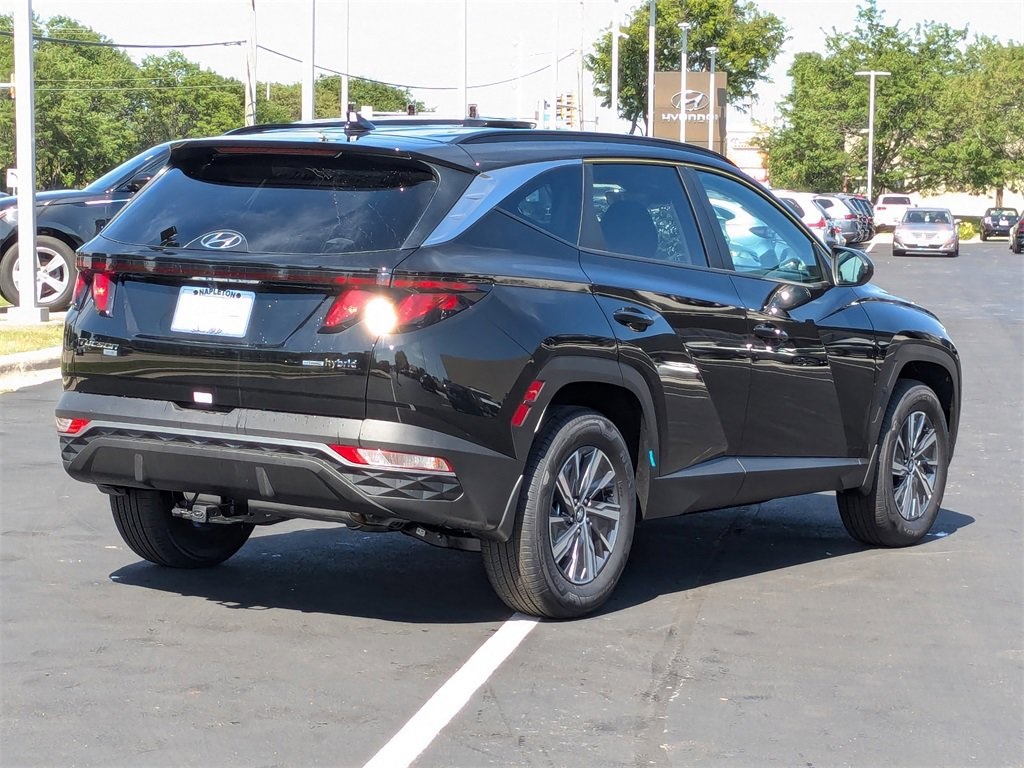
(871, 75)
(617, 33)
(343, 96)
(579, 74)
(464, 84)
(250, 68)
(650, 70)
(553, 120)
(308, 74)
(712, 113)
(27, 310)
(685, 27)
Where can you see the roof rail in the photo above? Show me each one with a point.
(587, 136)
(359, 124)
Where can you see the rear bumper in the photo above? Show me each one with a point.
(284, 459)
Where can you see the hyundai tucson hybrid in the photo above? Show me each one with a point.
(488, 338)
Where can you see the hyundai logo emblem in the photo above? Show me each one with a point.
(221, 240)
(694, 100)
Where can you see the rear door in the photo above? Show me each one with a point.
(238, 278)
(677, 322)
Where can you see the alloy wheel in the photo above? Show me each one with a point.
(915, 465)
(52, 275)
(584, 518)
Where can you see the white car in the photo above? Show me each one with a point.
(810, 212)
(889, 209)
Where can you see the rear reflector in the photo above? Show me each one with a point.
(529, 398)
(71, 426)
(381, 459)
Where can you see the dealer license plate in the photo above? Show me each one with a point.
(213, 311)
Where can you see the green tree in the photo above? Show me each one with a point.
(979, 146)
(176, 98)
(748, 42)
(285, 104)
(83, 117)
(821, 142)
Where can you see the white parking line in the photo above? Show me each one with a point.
(416, 735)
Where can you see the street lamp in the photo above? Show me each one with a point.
(650, 71)
(685, 27)
(713, 50)
(617, 33)
(871, 74)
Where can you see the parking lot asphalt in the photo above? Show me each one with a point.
(753, 636)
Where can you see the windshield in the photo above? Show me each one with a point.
(129, 168)
(1009, 213)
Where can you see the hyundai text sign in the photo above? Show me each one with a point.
(697, 103)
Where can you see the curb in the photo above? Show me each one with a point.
(36, 360)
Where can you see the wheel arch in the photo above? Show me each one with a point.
(936, 365)
(617, 392)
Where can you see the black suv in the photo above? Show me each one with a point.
(997, 222)
(64, 220)
(503, 339)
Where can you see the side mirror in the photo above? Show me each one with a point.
(851, 267)
(957, 222)
(138, 181)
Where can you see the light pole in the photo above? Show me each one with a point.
(685, 27)
(617, 33)
(464, 84)
(650, 71)
(871, 75)
(348, 58)
(713, 50)
(308, 68)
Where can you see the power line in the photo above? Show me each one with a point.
(96, 43)
(417, 87)
(145, 88)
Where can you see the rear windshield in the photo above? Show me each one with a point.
(895, 200)
(279, 203)
(1009, 213)
(794, 206)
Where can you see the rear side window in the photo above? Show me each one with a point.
(279, 203)
(551, 202)
(642, 211)
(793, 206)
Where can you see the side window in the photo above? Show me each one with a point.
(762, 241)
(552, 202)
(642, 210)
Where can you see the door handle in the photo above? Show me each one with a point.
(770, 332)
(633, 318)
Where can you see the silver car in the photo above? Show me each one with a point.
(926, 230)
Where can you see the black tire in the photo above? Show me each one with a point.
(523, 570)
(897, 252)
(59, 259)
(878, 518)
(145, 523)
(1016, 246)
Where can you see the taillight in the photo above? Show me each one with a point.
(819, 224)
(81, 286)
(416, 304)
(71, 426)
(103, 292)
(848, 216)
